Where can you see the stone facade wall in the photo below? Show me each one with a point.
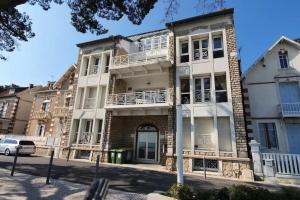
(237, 100)
(124, 129)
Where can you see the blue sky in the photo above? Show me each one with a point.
(259, 23)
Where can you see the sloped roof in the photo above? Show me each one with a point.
(281, 39)
(65, 75)
(201, 17)
(5, 92)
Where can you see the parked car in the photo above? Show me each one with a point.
(9, 146)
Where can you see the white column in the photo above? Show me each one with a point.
(79, 131)
(257, 163)
(179, 145)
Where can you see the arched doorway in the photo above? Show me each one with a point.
(147, 143)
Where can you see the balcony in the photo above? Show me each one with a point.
(156, 98)
(41, 115)
(61, 112)
(140, 63)
(290, 109)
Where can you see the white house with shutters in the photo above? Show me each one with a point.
(272, 105)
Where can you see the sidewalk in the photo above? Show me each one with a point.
(23, 187)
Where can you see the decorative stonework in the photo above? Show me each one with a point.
(237, 100)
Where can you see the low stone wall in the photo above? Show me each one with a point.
(43, 151)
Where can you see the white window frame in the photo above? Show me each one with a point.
(283, 54)
(85, 65)
(259, 134)
(94, 68)
(203, 90)
(47, 104)
(222, 44)
(184, 54)
(201, 49)
(219, 91)
(184, 93)
(38, 130)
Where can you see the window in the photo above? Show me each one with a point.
(147, 46)
(202, 94)
(85, 66)
(45, 106)
(210, 165)
(107, 63)
(283, 59)
(68, 101)
(4, 109)
(99, 130)
(156, 43)
(200, 49)
(218, 47)
(40, 130)
(221, 89)
(185, 90)
(184, 52)
(224, 133)
(268, 135)
(164, 40)
(91, 98)
(94, 68)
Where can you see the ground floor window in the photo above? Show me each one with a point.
(224, 134)
(40, 130)
(204, 129)
(268, 135)
(210, 165)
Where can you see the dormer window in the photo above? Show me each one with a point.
(11, 91)
(283, 59)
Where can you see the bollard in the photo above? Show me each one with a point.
(204, 167)
(69, 152)
(50, 167)
(15, 161)
(97, 166)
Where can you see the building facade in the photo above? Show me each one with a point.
(272, 98)
(52, 110)
(15, 104)
(128, 89)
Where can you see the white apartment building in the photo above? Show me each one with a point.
(128, 89)
(272, 102)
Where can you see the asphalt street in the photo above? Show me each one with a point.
(121, 178)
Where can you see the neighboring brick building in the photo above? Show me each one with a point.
(15, 105)
(52, 109)
(128, 88)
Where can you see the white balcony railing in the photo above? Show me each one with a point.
(144, 97)
(285, 164)
(85, 138)
(290, 109)
(141, 58)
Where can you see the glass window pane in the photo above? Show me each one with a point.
(206, 83)
(220, 82)
(185, 85)
(184, 48)
(217, 43)
(184, 58)
(204, 43)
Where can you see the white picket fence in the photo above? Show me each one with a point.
(285, 164)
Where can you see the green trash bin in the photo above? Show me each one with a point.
(121, 156)
(112, 156)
